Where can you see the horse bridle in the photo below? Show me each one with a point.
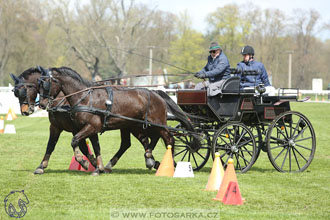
(47, 86)
(20, 91)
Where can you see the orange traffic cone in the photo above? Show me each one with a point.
(166, 167)
(216, 175)
(2, 125)
(11, 115)
(232, 195)
(230, 175)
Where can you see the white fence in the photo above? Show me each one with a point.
(7, 98)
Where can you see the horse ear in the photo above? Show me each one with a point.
(15, 78)
(43, 71)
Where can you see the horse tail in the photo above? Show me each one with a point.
(174, 109)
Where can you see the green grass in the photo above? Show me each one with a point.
(64, 194)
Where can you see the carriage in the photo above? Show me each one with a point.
(239, 124)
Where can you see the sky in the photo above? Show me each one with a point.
(199, 9)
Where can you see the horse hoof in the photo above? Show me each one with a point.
(150, 163)
(156, 165)
(108, 167)
(95, 173)
(39, 171)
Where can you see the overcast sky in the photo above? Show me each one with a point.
(199, 9)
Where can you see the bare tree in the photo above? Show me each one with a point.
(304, 31)
(103, 33)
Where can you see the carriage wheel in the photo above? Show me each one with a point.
(183, 151)
(291, 142)
(236, 141)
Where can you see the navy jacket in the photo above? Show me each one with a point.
(252, 80)
(217, 69)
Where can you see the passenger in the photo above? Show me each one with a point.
(216, 70)
(249, 63)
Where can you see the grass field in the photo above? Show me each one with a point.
(64, 194)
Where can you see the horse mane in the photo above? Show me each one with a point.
(73, 74)
(29, 72)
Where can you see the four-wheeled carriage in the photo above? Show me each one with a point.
(240, 123)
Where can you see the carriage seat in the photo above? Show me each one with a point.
(230, 85)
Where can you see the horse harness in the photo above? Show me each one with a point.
(107, 112)
(91, 109)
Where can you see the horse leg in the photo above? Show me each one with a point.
(166, 136)
(53, 138)
(124, 145)
(150, 160)
(84, 149)
(85, 132)
(94, 140)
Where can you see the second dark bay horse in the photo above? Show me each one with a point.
(26, 90)
(138, 110)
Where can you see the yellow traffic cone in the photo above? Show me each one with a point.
(166, 167)
(11, 115)
(216, 175)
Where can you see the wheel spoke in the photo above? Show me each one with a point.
(289, 158)
(282, 145)
(279, 154)
(294, 154)
(286, 154)
(303, 147)
(295, 129)
(285, 128)
(246, 150)
(244, 160)
(277, 139)
(300, 133)
(228, 136)
(184, 155)
(180, 145)
(301, 154)
(194, 160)
(303, 139)
(200, 155)
(281, 132)
(241, 137)
(238, 165)
(179, 152)
(244, 143)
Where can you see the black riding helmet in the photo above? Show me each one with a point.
(247, 50)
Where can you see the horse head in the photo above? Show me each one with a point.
(49, 88)
(26, 92)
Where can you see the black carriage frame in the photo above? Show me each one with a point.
(239, 124)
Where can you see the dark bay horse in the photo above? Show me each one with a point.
(26, 90)
(141, 105)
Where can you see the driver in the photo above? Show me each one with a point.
(249, 63)
(216, 70)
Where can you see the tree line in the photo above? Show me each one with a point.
(106, 38)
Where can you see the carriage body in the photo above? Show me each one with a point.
(241, 123)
